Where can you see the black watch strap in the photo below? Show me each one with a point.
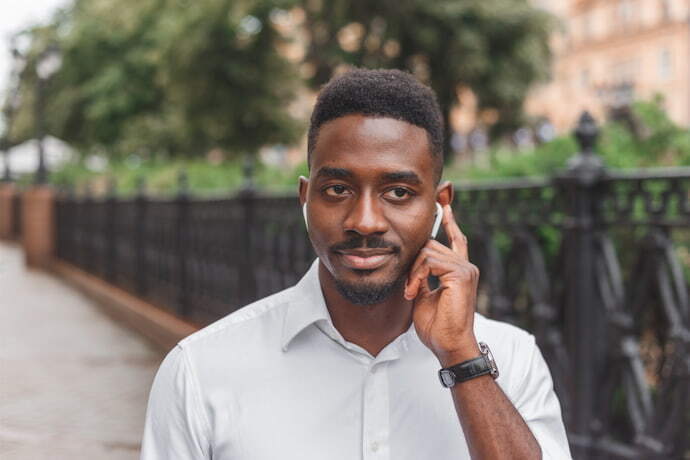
(469, 369)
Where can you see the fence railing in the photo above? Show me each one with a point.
(595, 263)
(199, 258)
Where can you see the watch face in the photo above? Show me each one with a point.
(447, 377)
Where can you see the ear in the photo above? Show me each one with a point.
(303, 188)
(444, 193)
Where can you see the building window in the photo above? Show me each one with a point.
(665, 64)
(624, 73)
(586, 27)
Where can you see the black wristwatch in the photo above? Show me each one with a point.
(470, 369)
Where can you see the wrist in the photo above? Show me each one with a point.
(467, 349)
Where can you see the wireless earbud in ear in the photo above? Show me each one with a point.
(304, 213)
(437, 221)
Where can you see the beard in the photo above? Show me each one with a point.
(367, 293)
(363, 292)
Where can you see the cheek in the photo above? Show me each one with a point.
(414, 233)
(323, 232)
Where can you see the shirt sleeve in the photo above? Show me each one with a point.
(176, 427)
(536, 401)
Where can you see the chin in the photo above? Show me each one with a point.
(368, 287)
(367, 292)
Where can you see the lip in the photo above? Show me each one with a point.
(365, 260)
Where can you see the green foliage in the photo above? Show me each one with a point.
(498, 48)
(165, 77)
(658, 142)
(663, 143)
(505, 163)
(174, 77)
(204, 179)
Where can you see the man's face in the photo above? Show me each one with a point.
(370, 199)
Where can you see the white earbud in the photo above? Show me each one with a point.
(437, 221)
(304, 213)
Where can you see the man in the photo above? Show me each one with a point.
(344, 365)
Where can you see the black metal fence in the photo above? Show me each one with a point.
(200, 258)
(595, 263)
(17, 215)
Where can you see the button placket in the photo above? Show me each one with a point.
(376, 411)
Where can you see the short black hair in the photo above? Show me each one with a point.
(380, 93)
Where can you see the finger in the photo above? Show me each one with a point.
(416, 280)
(458, 241)
(440, 248)
(431, 248)
(424, 288)
(412, 283)
(432, 265)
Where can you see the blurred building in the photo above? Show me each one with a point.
(608, 53)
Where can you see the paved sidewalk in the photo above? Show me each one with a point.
(73, 384)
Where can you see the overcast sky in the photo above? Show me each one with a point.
(16, 15)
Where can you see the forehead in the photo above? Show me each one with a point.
(369, 145)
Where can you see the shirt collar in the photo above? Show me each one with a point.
(306, 307)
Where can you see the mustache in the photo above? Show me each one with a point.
(357, 242)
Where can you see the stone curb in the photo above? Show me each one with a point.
(161, 328)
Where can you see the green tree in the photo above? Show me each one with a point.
(20, 99)
(497, 48)
(167, 77)
(225, 81)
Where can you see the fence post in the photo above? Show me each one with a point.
(7, 192)
(87, 230)
(69, 226)
(247, 198)
(110, 223)
(140, 237)
(182, 236)
(17, 215)
(584, 316)
(38, 225)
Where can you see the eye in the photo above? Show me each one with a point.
(398, 193)
(335, 190)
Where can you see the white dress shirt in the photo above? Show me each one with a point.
(276, 380)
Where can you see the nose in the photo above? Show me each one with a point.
(366, 217)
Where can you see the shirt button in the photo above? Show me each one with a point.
(374, 446)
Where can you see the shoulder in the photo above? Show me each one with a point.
(255, 324)
(513, 349)
(500, 334)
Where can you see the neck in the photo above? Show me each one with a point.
(372, 327)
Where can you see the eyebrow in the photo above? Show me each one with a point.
(402, 176)
(334, 173)
(396, 176)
